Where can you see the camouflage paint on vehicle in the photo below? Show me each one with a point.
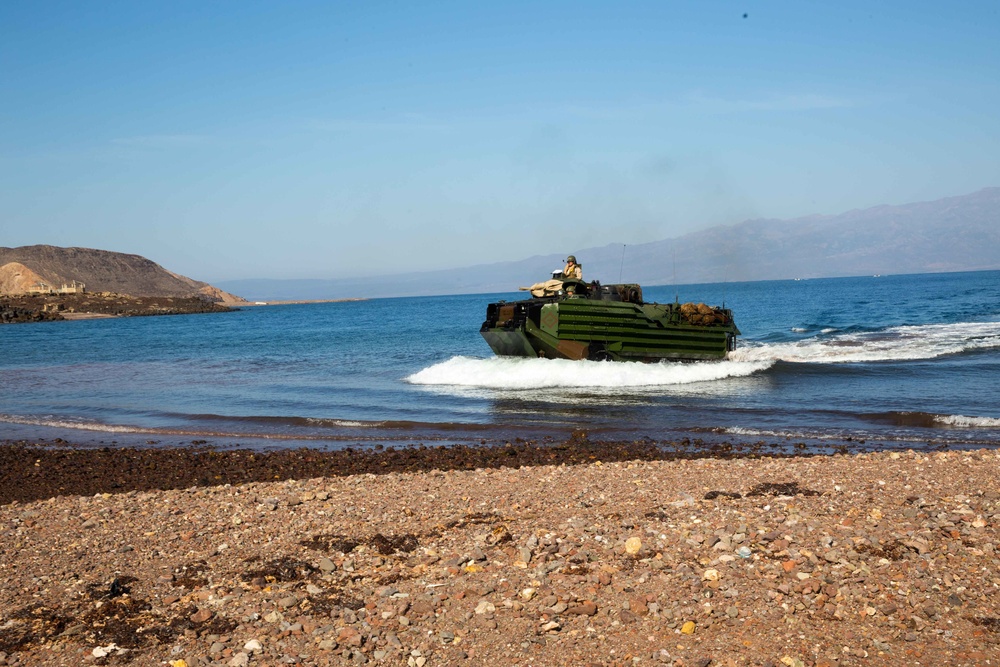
(608, 322)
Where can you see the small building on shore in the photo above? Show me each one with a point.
(76, 287)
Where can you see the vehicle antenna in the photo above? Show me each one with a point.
(677, 295)
(725, 284)
(622, 267)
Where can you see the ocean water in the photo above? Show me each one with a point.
(888, 361)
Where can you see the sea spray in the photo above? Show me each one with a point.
(510, 373)
(904, 343)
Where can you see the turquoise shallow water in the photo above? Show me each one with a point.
(896, 361)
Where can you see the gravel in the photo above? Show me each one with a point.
(884, 558)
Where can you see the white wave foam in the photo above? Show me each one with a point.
(743, 430)
(894, 344)
(817, 435)
(518, 373)
(80, 425)
(347, 423)
(72, 424)
(968, 422)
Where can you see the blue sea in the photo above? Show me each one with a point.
(877, 361)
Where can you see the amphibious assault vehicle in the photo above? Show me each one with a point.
(578, 320)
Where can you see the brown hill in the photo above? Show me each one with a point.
(22, 269)
(16, 278)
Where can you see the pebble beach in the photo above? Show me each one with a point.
(884, 558)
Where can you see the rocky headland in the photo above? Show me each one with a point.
(39, 283)
(47, 307)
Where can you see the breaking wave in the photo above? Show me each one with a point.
(931, 420)
(816, 435)
(77, 424)
(513, 373)
(246, 429)
(291, 422)
(902, 343)
(748, 432)
(961, 421)
(893, 344)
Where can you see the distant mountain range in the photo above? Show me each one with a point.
(43, 267)
(952, 234)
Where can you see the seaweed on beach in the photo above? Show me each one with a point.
(31, 625)
(117, 587)
(104, 615)
(281, 569)
(390, 545)
(895, 550)
(35, 471)
(331, 543)
(189, 575)
(781, 489)
(712, 495)
(990, 623)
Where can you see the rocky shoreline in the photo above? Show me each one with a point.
(11, 314)
(569, 554)
(49, 307)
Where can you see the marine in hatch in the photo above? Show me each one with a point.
(571, 272)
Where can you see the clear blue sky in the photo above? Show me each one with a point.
(285, 140)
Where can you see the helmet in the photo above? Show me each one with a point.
(571, 258)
